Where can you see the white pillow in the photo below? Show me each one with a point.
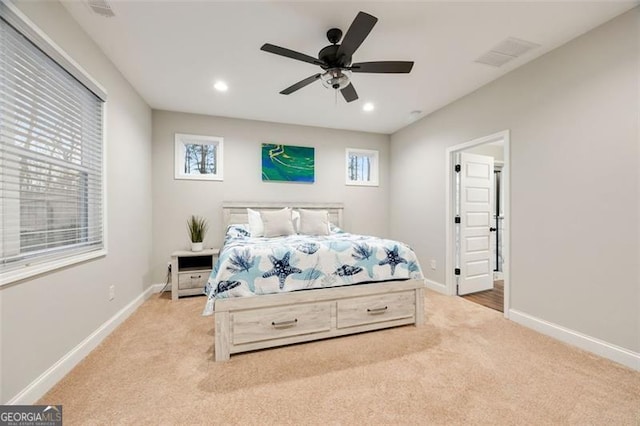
(295, 216)
(314, 222)
(277, 223)
(256, 227)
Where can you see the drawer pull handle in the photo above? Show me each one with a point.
(377, 311)
(284, 324)
(196, 276)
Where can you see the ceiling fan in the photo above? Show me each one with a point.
(335, 59)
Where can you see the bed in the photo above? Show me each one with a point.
(267, 292)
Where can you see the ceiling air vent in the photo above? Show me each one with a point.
(101, 7)
(505, 51)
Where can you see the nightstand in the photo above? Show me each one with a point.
(190, 271)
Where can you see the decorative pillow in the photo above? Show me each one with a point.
(238, 231)
(256, 227)
(235, 232)
(334, 229)
(277, 223)
(314, 222)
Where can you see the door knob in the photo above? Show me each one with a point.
(493, 229)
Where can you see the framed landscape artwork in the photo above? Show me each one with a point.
(286, 163)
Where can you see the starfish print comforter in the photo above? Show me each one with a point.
(249, 266)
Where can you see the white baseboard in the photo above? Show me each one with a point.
(436, 286)
(157, 288)
(36, 389)
(591, 344)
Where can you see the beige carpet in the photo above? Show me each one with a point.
(467, 365)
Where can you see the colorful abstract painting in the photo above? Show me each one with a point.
(286, 163)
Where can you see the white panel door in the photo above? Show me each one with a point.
(476, 209)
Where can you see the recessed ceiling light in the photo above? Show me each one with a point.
(367, 107)
(221, 86)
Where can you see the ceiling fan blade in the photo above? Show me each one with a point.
(288, 53)
(300, 84)
(357, 32)
(349, 93)
(387, 67)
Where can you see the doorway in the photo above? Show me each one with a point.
(477, 221)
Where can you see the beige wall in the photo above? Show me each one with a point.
(42, 319)
(366, 208)
(573, 116)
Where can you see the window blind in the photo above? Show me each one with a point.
(51, 194)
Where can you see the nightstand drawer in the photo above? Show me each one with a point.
(374, 309)
(194, 279)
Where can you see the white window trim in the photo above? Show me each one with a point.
(206, 140)
(15, 275)
(375, 167)
(32, 271)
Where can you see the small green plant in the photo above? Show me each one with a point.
(197, 228)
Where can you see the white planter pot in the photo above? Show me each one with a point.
(196, 246)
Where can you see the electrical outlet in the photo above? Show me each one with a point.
(112, 292)
(433, 264)
(169, 267)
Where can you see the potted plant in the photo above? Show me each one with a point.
(197, 229)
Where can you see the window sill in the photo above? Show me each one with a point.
(217, 177)
(31, 271)
(361, 183)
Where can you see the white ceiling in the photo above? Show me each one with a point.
(172, 52)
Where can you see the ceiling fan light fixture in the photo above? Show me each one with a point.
(335, 78)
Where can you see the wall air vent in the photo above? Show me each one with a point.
(101, 7)
(505, 51)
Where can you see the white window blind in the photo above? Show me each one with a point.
(51, 191)
(359, 167)
(362, 167)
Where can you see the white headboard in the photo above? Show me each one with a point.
(236, 212)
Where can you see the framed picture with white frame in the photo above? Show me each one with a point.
(361, 167)
(198, 157)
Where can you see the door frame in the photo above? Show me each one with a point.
(450, 282)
